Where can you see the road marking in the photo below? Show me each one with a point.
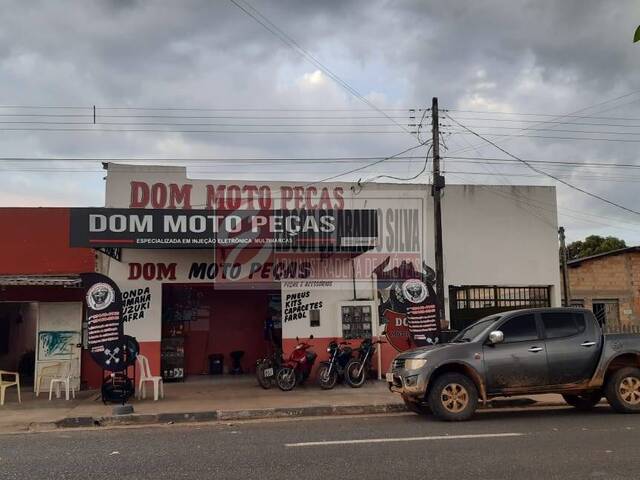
(403, 439)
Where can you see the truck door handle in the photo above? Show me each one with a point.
(587, 344)
(535, 349)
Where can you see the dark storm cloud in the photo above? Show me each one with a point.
(522, 56)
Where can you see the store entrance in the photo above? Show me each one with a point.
(217, 332)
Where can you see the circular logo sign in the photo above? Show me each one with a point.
(414, 290)
(100, 296)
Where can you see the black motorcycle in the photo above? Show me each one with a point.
(357, 370)
(330, 371)
(267, 367)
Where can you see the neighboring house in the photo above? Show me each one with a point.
(608, 284)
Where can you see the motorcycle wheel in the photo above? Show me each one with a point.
(327, 378)
(351, 373)
(286, 379)
(264, 382)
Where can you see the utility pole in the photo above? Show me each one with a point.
(566, 290)
(438, 185)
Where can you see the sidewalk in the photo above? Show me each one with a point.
(206, 399)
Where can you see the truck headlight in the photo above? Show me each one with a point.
(415, 363)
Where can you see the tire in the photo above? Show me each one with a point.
(453, 397)
(623, 390)
(327, 378)
(415, 407)
(286, 379)
(584, 401)
(350, 373)
(265, 383)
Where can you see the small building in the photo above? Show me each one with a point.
(608, 284)
(41, 296)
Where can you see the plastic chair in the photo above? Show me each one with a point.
(4, 384)
(65, 378)
(50, 370)
(145, 377)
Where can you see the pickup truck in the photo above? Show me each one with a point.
(542, 350)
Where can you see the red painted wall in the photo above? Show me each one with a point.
(236, 322)
(320, 347)
(36, 241)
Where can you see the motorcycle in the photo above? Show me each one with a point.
(266, 369)
(357, 370)
(330, 371)
(297, 368)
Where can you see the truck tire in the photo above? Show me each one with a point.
(416, 407)
(453, 397)
(584, 401)
(623, 390)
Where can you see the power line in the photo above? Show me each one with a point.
(160, 130)
(602, 139)
(367, 166)
(542, 172)
(275, 30)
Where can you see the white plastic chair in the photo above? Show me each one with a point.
(68, 374)
(146, 377)
(46, 371)
(4, 384)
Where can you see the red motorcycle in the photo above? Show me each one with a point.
(297, 368)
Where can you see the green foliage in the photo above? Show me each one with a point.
(593, 245)
(636, 37)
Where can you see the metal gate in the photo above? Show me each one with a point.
(468, 303)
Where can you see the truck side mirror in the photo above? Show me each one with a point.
(496, 337)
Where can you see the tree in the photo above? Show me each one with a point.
(593, 245)
(636, 37)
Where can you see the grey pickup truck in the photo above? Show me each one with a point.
(543, 350)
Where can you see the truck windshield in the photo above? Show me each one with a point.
(472, 331)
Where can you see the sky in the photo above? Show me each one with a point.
(508, 70)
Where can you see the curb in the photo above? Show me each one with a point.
(256, 414)
(218, 415)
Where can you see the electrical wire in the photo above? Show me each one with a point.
(275, 30)
(542, 172)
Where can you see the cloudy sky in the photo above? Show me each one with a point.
(173, 68)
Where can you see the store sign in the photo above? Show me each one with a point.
(107, 343)
(408, 305)
(283, 230)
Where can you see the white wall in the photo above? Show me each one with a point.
(503, 235)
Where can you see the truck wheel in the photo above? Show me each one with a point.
(623, 390)
(453, 397)
(416, 407)
(583, 401)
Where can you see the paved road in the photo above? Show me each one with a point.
(533, 444)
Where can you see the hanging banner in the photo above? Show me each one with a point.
(107, 343)
(408, 305)
(283, 230)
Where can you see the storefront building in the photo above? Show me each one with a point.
(213, 267)
(41, 296)
(208, 268)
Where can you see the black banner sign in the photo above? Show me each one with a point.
(107, 343)
(305, 230)
(408, 305)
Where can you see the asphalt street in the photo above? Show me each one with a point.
(532, 444)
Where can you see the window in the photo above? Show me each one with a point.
(356, 321)
(606, 311)
(314, 318)
(560, 324)
(577, 302)
(520, 329)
